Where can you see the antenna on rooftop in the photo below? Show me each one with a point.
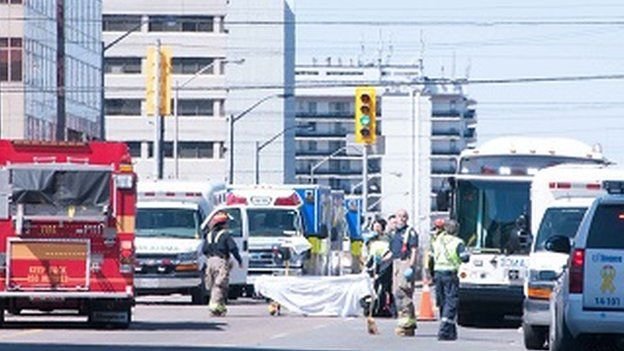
(453, 67)
(390, 51)
(421, 60)
(468, 68)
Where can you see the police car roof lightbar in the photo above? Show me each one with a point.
(614, 186)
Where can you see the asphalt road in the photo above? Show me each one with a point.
(171, 324)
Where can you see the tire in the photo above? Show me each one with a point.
(560, 337)
(200, 294)
(534, 337)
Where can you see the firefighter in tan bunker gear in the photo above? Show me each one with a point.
(218, 247)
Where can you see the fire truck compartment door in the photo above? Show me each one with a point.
(48, 265)
(5, 192)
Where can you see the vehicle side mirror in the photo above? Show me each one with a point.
(558, 243)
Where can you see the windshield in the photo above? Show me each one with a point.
(487, 212)
(515, 165)
(558, 221)
(272, 222)
(167, 222)
(50, 192)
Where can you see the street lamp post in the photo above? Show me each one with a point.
(327, 158)
(178, 86)
(259, 146)
(233, 120)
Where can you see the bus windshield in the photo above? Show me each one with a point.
(487, 212)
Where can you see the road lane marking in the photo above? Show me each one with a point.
(22, 333)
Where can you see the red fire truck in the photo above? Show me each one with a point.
(67, 214)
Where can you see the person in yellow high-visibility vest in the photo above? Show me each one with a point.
(447, 252)
(378, 261)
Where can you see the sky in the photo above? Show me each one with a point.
(489, 47)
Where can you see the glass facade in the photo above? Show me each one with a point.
(81, 68)
(83, 47)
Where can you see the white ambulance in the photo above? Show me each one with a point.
(560, 196)
(271, 217)
(169, 238)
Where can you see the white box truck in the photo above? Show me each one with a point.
(169, 238)
(560, 196)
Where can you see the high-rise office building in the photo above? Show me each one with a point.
(50, 69)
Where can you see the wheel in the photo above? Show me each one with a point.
(534, 337)
(560, 337)
(200, 294)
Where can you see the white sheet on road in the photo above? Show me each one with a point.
(317, 295)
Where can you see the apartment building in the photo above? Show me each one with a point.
(217, 62)
(437, 113)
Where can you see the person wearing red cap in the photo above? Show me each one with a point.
(219, 246)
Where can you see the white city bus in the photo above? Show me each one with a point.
(491, 191)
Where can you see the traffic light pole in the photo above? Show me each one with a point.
(365, 180)
(158, 125)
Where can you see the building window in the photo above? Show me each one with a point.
(11, 59)
(120, 23)
(312, 107)
(123, 107)
(195, 107)
(135, 148)
(339, 106)
(195, 149)
(181, 24)
(192, 65)
(121, 65)
(312, 146)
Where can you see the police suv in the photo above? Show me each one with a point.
(588, 303)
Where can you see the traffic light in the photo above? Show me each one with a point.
(163, 71)
(365, 115)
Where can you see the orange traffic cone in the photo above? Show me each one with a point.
(426, 308)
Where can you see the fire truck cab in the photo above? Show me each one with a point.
(67, 214)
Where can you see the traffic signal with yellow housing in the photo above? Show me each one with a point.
(365, 115)
(163, 73)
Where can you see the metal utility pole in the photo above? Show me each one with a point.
(176, 130)
(159, 130)
(61, 118)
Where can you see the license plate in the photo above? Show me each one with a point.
(147, 283)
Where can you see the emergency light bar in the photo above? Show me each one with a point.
(568, 185)
(170, 194)
(614, 186)
(264, 200)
